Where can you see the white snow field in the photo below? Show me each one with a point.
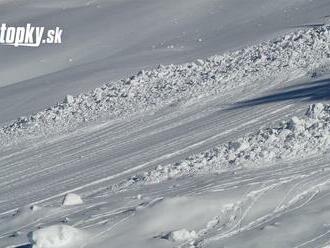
(226, 144)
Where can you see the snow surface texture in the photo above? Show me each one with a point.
(307, 49)
(297, 137)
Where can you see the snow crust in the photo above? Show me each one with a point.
(306, 50)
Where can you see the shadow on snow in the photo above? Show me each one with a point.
(314, 91)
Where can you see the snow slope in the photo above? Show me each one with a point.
(302, 52)
(227, 150)
(105, 40)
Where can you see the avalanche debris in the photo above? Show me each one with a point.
(302, 50)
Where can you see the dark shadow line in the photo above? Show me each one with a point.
(313, 91)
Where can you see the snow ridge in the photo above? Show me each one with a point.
(305, 50)
(297, 137)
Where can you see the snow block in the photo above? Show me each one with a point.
(181, 235)
(69, 99)
(316, 111)
(71, 199)
(56, 236)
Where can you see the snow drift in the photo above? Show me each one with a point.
(303, 50)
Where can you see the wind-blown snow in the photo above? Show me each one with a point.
(304, 50)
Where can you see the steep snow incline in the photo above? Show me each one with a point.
(222, 152)
(109, 39)
(306, 51)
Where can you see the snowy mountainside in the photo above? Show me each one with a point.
(305, 50)
(109, 39)
(204, 150)
(221, 190)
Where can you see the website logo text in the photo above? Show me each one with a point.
(29, 36)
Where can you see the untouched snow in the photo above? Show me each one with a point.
(227, 150)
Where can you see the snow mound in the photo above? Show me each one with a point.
(71, 199)
(181, 235)
(304, 50)
(294, 138)
(57, 236)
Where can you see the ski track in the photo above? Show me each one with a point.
(98, 188)
(29, 171)
(99, 159)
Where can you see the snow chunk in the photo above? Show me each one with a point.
(181, 235)
(35, 207)
(71, 199)
(315, 111)
(98, 94)
(200, 62)
(297, 124)
(69, 99)
(56, 236)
